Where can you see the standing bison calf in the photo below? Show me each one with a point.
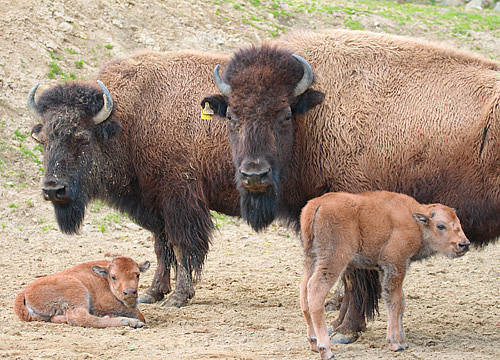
(372, 230)
(83, 294)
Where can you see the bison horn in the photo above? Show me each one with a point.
(104, 113)
(307, 78)
(224, 87)
(31, 99)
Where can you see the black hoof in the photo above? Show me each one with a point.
(343, 339)
(148, 299)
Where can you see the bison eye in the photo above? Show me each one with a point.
(441, 227)
(83, 138)
(113, 278)
(137, 275)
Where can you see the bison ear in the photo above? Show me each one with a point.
(107, 129)
(144, 266)
(218, 103)
(100, 271)
(307, 101)
(421, 219)
(37, 134)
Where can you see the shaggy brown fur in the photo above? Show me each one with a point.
(399, 114)
(154, 158)
(381, 230)
(83, 294)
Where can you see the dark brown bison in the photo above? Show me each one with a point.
(83, 294)
(398, 114)
(374, 229)
(138, 144)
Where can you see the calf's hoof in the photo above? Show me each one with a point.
(313, 342)
(133, 323)
(147, 298)
(339, 338)
(325, 353)
(175, 300)
(398, 346)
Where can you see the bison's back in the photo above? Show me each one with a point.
(395, 110)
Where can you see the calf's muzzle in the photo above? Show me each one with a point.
(463, 246)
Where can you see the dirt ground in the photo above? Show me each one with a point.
(246, 304)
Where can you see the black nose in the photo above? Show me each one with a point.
(255, 178)
(130, 292)
(56, 192)
(464, 246)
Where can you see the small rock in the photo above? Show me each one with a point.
(474, 4)
(51, 45)
(65, 26)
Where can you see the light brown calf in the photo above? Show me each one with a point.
(372, 230)
(97, 294)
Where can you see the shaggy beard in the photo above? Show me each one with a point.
(70, 216)
(258, 209)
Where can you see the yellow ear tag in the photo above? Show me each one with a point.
(207, 112)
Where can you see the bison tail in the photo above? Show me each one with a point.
(20, 307)
(367, 291)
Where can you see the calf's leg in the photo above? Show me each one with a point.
(81, 317)
(392, 286)
(311, 335)
(326, 272)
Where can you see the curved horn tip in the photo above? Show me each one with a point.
(307, 78)
(224, 87)
(31, 98)
(107, 107)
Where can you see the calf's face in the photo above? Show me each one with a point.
(441, 230)
(123, 278)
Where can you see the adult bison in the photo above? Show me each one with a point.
(138, 144)
(398, 114)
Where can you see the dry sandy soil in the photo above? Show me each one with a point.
(246, 304)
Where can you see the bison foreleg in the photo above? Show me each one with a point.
(161, 280)
(184, 289)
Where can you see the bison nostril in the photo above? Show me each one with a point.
(130, 292)
(55, 192)
(255, 174)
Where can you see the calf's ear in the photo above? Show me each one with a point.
(218, 103)
(144, 266)
(100, 271)
(307, 101)
(421, 219)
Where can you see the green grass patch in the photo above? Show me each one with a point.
(79, 64)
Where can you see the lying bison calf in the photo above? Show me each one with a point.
(372, 230)
(83, 294)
